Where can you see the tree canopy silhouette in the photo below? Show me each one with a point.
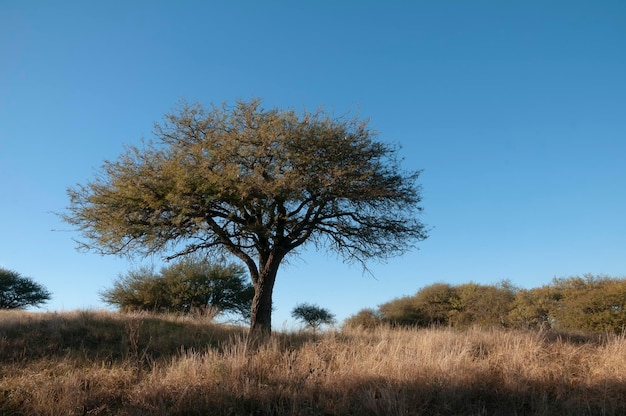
(312, 315)
(254, 183)
(19, 292)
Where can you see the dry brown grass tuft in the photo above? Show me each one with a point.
(148, 365)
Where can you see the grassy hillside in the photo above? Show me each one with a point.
(100, 363)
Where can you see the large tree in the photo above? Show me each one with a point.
(254, 183)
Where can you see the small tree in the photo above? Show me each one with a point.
(312, 315)
(18, 292)
(188, 284)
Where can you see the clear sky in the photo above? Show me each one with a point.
(516, 111)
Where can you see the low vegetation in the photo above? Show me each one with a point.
(591, 304)
(104, 363)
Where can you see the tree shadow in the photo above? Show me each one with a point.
(107, 336)
(111, 337)
(381, 397)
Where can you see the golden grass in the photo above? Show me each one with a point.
(102, 363)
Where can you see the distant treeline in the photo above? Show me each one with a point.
(588, 303)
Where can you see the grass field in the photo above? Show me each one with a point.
(103, 363)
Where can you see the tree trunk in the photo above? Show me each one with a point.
(261, 313)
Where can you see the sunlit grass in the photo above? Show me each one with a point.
(104, 363)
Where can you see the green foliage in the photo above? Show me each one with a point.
(431, 305)
(254, 183)
(188, 284)
(19, 292)
(587, 304)
(532, 308)
(590, 303)
(435, 303)
(312, 315)
(482, 305)
(460, 306)
(366, 319)
(401, 311)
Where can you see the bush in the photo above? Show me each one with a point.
(443, 304)
(532, 309)
(187, 285)
(460, 306)
(435, 302)
(401, 312)
(483, 305)
(364, 319)
(590, 303)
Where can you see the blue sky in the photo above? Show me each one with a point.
(515, 110)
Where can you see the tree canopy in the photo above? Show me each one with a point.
(254, 183)
(19, 292)
(312, 315)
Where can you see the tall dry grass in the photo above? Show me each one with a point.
(100, 363)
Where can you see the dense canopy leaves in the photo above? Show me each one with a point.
(252, 179)
(255, 183)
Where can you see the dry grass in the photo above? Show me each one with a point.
(100, 363)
